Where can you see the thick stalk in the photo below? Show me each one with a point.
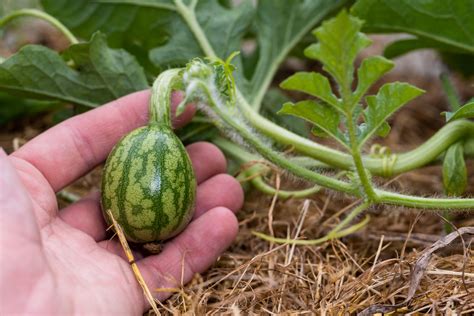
(423, 202)
(381, 195)
(419, 157)
(276, 157)
(160, 101)
(41, 15)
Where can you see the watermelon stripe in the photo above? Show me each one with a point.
(149, 184)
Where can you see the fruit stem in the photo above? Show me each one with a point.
(160, 101)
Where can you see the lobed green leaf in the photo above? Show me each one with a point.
(313, 84)
(370, 70)
(339, 43)
(324, 117)
(389, 99)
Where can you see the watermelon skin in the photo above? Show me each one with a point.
(149, 184)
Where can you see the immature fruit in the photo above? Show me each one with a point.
(149, 184)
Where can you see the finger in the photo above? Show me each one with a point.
(86, 214)
(113, 246)
(72, 148)
(220, 190)
(207, 160)
(17, 219)
(193, 251)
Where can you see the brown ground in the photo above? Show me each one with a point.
(373, 266)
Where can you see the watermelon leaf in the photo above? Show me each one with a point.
(100, 74)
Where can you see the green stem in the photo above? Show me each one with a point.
(277, 158)
(189, 16)
(262, 186)
(356, 211)
(242, 156)
(345, 232)
(234, 150)
(423, 202)
(419, 157)
(405, 162)
(381, 195)
(363, 177)
(160, 101)
(41, 15)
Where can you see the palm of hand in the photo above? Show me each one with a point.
(59, 261)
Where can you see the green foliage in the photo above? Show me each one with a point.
(100, 74)
(339, 42)
(273, 97)
(159, 34)
(445, 25)
(156, 31)
(13, 107)
(454, 170)
(450, 91)
(389, 99)
(371, 69)
(465, 111)
(324, 117)
(313, 84)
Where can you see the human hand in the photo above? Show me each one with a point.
(59, 261)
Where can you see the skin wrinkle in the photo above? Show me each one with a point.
(83, 145)
(29, 177)
(87, 255)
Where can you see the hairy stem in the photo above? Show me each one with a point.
(381, 196)
(356, 156)
(423, 202)
(160, 101)
(41, 15)
(419, 157)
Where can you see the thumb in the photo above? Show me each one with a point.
(17, 220)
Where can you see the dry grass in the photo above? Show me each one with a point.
(339, 277)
